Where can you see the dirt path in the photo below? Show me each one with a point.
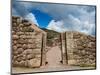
(53, 57)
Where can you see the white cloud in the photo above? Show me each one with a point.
(76, 25)
(22, 9)
(68, 17)
(78, 18)
(56, 26)
(87, 27)
(31, 18)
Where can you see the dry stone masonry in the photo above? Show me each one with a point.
(29, 45)
(81, 49)
(26, 43)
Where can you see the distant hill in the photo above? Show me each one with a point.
(50, 33)
(51, 36)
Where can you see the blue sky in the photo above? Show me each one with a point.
(43, 19)
(58, 17)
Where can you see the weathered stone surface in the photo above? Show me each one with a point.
(19, 45)
(24, 46)
(18, 59)
(21, 41)
(20, 50)
(20, 33)
(34, 63)
(26, 43)
(27, 51)
(38, 56)
(14, 42)
(22, 63)
(15, 37)
(24, 57)
(81, 48)
(15, 53)
(37, 51)
(14, 47)
(30, 56)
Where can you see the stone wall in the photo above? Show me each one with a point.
(29, 45)
(26, 43)
(81, 49)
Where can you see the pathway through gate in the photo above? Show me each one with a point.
(53, 57)
(55, 52)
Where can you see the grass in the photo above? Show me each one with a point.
(85, 65)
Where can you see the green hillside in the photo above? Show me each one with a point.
(51, 35)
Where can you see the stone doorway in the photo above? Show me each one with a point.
(54, 51)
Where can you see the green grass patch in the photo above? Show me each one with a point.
(84, 65)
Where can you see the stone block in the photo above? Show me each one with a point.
(15, 37)
(34, 63)
(30, 56)
(14, 48)
(28, 51)
(20, 50)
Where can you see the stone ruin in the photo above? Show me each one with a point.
(27, 43)
(29, 46)
(80, 49)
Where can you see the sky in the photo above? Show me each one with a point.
(58, 17)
